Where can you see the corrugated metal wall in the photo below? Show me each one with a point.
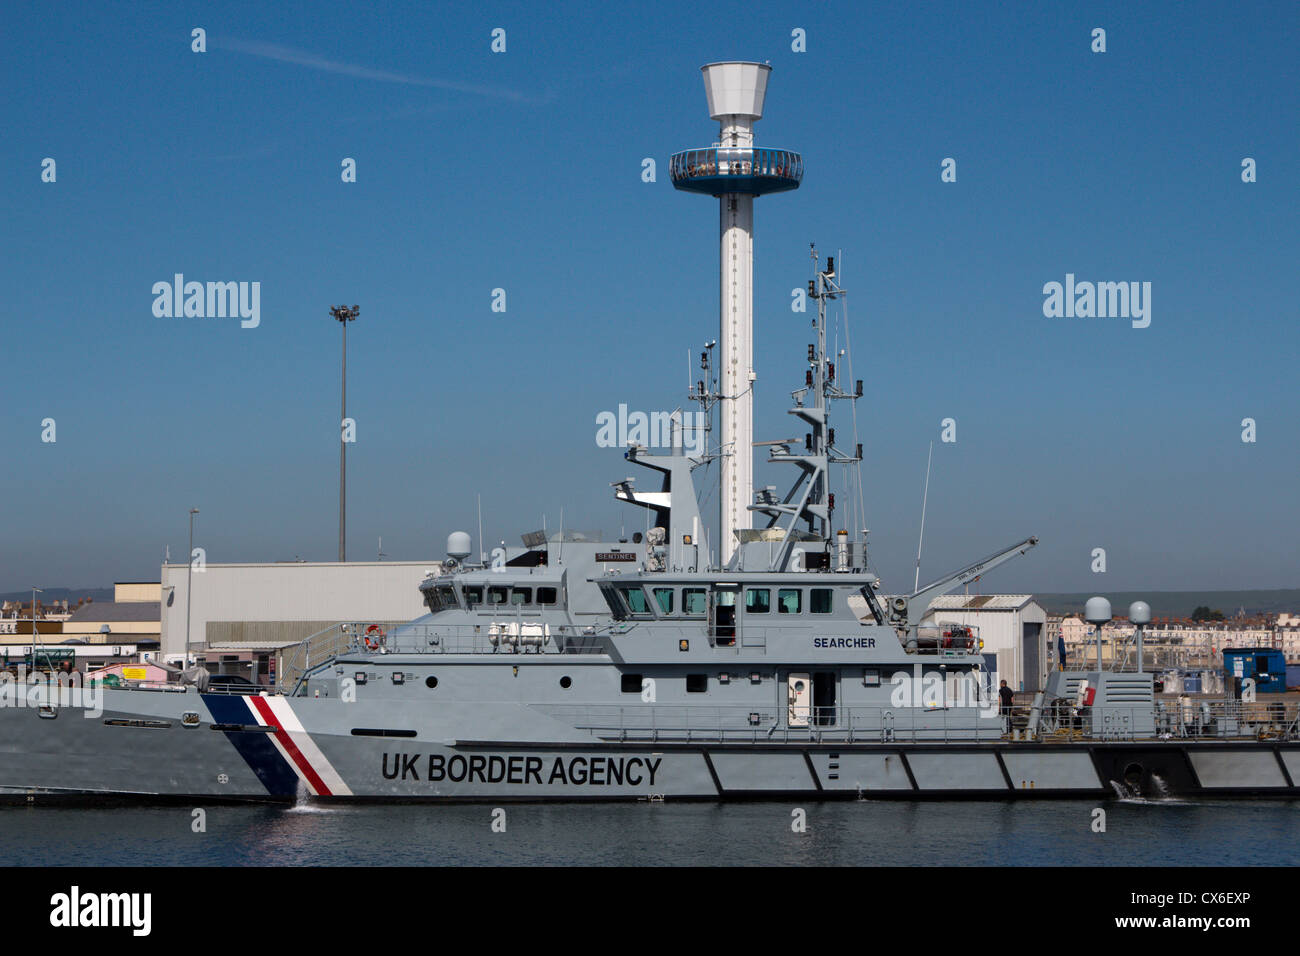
(305, 597)
(1004, 633)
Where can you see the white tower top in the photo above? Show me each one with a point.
(735, 89)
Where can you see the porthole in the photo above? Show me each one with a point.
(431, 682)
(566, 681)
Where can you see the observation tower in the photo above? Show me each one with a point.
(735, 171)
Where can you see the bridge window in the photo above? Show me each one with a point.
(819, 600)
(697, 683)
(497, 595)
(440, 598)
(521, 596)
(473, 595)
(665, 598)
(694, 602)
(635, 599)
(758, 600)
(789, 601)
(546, 595)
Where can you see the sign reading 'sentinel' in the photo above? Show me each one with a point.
(615, 556)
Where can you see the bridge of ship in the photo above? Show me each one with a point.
(799, 615)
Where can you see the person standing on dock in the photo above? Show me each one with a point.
(1007, 695)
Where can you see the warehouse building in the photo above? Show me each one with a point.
(241, 616)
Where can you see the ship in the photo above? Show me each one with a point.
(768, 661)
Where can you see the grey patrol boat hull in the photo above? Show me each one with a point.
(186, 745)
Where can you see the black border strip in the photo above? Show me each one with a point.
(1102, 780)
(1006, 774)
(708, 762)
(1191, 767)
(908, 767)
(1286, 774)
(813, 771)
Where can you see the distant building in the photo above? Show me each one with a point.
(132, 617)
(92, 635)
(1074, 627)
(1180, 643)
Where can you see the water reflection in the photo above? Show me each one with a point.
(854, 833)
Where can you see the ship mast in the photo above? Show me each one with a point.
(810, 500)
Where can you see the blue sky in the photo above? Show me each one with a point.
(521, 171)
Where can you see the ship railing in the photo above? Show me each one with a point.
(504, 635)
(171, 687)
(1184, 719)
(1263, 719)
(509, 634)
(766, 724)
(942, 724)
(723, 160)
(316, 651)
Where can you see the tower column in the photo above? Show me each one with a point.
(736, 374)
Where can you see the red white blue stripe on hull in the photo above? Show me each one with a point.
(284, 756)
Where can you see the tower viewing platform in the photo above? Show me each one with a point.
(744, 170)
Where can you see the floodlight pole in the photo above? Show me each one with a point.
(344, 315)
(189, 585)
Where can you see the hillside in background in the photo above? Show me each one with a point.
(48, 596)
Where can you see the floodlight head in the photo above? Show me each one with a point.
(735, 88)
(1139, 612)
(1097, 610)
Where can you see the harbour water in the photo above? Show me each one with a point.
(858, 833)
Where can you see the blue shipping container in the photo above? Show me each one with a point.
(1265, 665)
